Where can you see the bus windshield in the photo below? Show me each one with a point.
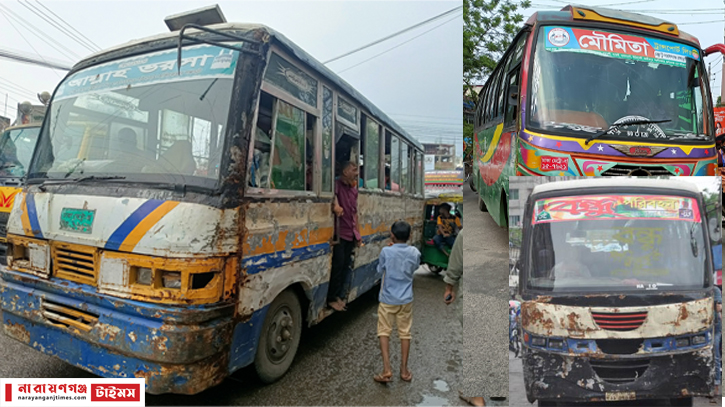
(16, 150)
(585, 80)
(137, 119)
(617, 243)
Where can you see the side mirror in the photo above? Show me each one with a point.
(513, 95)
(714, 48)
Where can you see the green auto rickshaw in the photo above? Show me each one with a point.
(430, 255)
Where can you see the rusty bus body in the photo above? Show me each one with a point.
(129, 260)
(616, 279)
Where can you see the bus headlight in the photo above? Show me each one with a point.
(699, 339)
(162, 280)
(556, 343)
(682, 342)
(538, 341)
(30, 256)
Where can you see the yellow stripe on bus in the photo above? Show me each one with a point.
(686, 149)
(145, 225)
(494, 143)
(24, 219)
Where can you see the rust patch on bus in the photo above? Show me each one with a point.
(17, 331)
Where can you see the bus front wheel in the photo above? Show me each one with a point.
(481, 204)
(280, 337)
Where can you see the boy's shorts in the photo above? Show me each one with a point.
(401, 314)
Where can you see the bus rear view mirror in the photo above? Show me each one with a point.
(715, 48)
(513, 95)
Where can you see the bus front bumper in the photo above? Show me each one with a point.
(176, 349)
(557, 377)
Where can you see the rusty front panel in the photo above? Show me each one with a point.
(547, 319)
(286, 242)
(74, 262)
(123, 278)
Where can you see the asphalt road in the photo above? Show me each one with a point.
(334, 365)
(518, 395)
(485, 288)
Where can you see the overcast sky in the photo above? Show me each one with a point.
(701, 18)
(417, 83)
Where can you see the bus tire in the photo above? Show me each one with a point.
(435, 269)
(471, 183)
(547, 403)
(279, 338)
(683, 402)
(481, 204)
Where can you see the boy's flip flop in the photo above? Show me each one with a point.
(383, 378)
(408, 377)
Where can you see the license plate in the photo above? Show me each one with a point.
(77, 220)
(619, 395)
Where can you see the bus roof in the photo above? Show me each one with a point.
(252, 31)
(614, 183)
(575, 12)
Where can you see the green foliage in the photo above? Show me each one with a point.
(719, 102)
(468, 140)
(489, 26)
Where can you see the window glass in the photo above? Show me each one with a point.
(371, 159)
(511, 110)
(284, 75)
(16, 150)
(395, 164)
(347, 111)
(419, 181)
(327, 143)
(288, 164)
(404, 164)
(513, 194)
(259, 166)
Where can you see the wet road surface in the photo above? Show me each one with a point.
(518, 394)
(334, 365)
(485, 285)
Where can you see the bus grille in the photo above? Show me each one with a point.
(619, 346)
(624, 170)
(620, 321)
(68, 317)
(75, 263)
(619, 371)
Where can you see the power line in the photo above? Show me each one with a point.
(17, 86)
(36, 31)
(702, 22)
(394, 34)
(402, 43)
(70, 26)
(45, 17)
(29, 44)
(42, 61)
(13, 91)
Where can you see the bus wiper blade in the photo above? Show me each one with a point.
(616, 125)
(96, 178)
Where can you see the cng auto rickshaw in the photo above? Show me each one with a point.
(430, 255)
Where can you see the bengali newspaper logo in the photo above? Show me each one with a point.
(558, 37)
(115, 392)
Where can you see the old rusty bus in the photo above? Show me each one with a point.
(589, 91)
(177, 222)
(617, 288)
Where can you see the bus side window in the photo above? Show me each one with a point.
(371, 152)
(259, 166)
(288, 148)
(511, 109)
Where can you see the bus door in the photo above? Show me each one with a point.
(347, 149)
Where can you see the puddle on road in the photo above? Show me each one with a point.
(432, 401)
(441, 386)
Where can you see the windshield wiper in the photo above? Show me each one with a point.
(617, 125)
(97, 178)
